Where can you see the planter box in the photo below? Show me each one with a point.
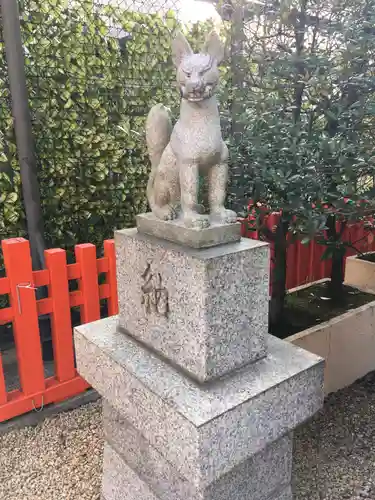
(360, 273)
(346, 342)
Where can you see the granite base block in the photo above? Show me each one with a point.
(177, 232)
(258, 478)
(120, 482)
(204, 431)
(285, 494)
(216, 301)
(161, 476)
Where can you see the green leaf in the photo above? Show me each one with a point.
(69, 103)
(12, 198)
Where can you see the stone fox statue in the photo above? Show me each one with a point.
(195, 145)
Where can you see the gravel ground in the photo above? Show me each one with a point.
(335, 452)
(60, 459)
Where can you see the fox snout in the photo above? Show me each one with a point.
(194, 85)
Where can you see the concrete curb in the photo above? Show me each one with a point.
(34, 418)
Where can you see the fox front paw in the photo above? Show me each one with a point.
(196, 221)
(224, 215)
(166, 213)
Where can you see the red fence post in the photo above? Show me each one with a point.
(88, 283)
(3, 391)
(18, 268)
(111, 279)
(62, 338)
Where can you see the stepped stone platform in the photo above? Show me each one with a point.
(200, 402)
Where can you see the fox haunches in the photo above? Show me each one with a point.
(195, 145)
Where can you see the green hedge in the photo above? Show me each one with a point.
(89, 97)
(11, 213)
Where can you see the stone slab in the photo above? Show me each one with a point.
(218, 301)
(203, 430)
(177, 232)
(259, 477)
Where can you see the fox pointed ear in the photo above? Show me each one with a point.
(214, 47)
(180, 48)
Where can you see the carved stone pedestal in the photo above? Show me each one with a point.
(200, 402)
(205, 310)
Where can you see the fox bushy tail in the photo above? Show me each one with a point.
(158, 134)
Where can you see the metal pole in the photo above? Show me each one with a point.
(23, 129)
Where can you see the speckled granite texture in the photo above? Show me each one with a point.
(218, 301)
(176, 231)
(283, 495)
(203, 431)
(120, 482)
(257, 478)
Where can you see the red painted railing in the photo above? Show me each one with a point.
(20, 285)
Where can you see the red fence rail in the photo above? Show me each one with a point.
(20, 284)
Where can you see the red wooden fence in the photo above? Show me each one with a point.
(20, 285)
(304, 262)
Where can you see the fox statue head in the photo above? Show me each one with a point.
(197, 74)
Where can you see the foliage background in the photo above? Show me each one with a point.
(297, 102)
(93, 72)
(306, 140)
